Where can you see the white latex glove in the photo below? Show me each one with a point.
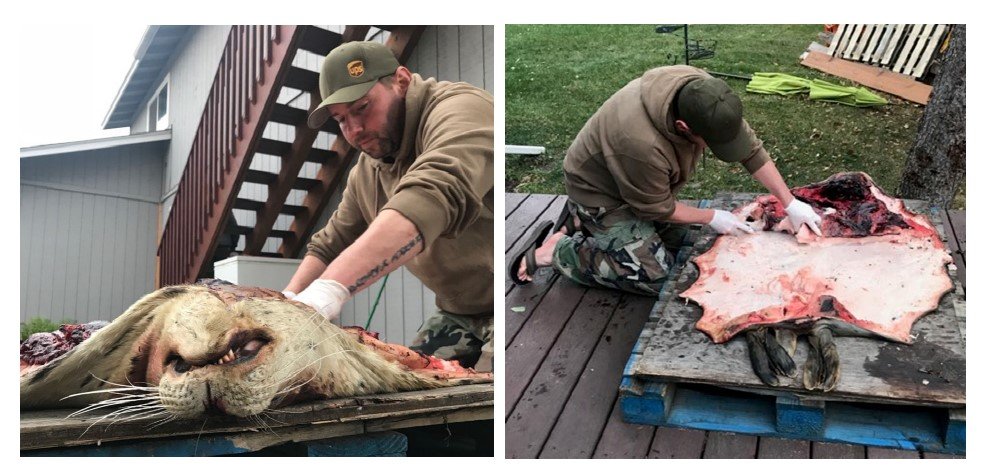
(289, 294)
(724, 222)
(326, 296)
(801, 214)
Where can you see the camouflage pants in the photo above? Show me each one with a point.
(468, 339)
(616, 249)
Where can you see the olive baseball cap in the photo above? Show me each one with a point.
(348, 72)
(712, 110)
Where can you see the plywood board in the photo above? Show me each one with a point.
(877, 78)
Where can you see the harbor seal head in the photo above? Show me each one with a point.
(185, 350)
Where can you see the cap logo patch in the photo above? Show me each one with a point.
(356, 68)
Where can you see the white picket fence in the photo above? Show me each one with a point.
(906, 49)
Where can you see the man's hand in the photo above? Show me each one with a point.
(802, 214)
(326, 296)
(289, 294)
(724, 222)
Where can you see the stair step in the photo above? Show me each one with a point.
(319, 41)
(267, 178)
(302, 79)
(275, 233)
(292, 116)
(282, 149)
(256, 206)
(260, 177)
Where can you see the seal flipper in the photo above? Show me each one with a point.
(822, 368)
(760, 362)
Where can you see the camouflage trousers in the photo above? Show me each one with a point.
(468, 339)
(618, 250)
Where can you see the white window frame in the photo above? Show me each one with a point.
(154, 123)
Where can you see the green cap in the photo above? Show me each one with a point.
(348, 72)
(712, 110)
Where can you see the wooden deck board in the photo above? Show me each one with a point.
(572, 436)
(672, 443)
(532, 418)
(621, 440)
(779, 448)
(722, 445)
(886, 453)
(829, 450)
(530, 346)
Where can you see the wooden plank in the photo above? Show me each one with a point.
(934, 455)
(730, 446)
(829, 450)
(907, 48)
(532, 417)
(526, 213)
(839, 36)
(917, 53)
(779, 448)
(529, 347)
(672, 443)
(511, 202)
(852, 41)
(50, 428)
(623, 440)
(858, 54)
(887, 453)
(586, 411)
(920, 69)
(870, 76)
(958, 222)
(522, 302)
(868, 53)
(892, 45)
(871, 370)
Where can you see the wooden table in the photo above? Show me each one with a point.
(566, 347)
(50, 432)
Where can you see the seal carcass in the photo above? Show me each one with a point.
(878, 268)
(185, 350)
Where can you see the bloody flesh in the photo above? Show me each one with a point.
(879, 268)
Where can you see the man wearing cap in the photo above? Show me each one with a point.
(421, 195)
(624, 169)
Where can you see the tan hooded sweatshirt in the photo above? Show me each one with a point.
(442, 179)
(630, 153)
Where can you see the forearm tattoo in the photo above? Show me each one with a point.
(378, 269)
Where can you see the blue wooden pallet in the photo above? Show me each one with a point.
(782, 414)
(702, 407)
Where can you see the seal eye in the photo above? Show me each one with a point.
(179, 364)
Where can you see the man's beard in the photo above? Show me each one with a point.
(389, 140)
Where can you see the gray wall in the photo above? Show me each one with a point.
(88, 225)
(190, 76)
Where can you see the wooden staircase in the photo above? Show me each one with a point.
(255, 65)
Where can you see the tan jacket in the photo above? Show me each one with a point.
(442, 179)
(630, 153)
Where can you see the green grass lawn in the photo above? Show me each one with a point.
(556, 76)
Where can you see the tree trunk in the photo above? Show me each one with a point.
(935, 167)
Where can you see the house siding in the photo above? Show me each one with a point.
(88, 225)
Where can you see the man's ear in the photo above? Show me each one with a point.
(682, 127)
(403, 77)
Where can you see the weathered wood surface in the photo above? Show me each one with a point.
(330, 418)
(871, 370)
(551, 297)
(870, 76)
